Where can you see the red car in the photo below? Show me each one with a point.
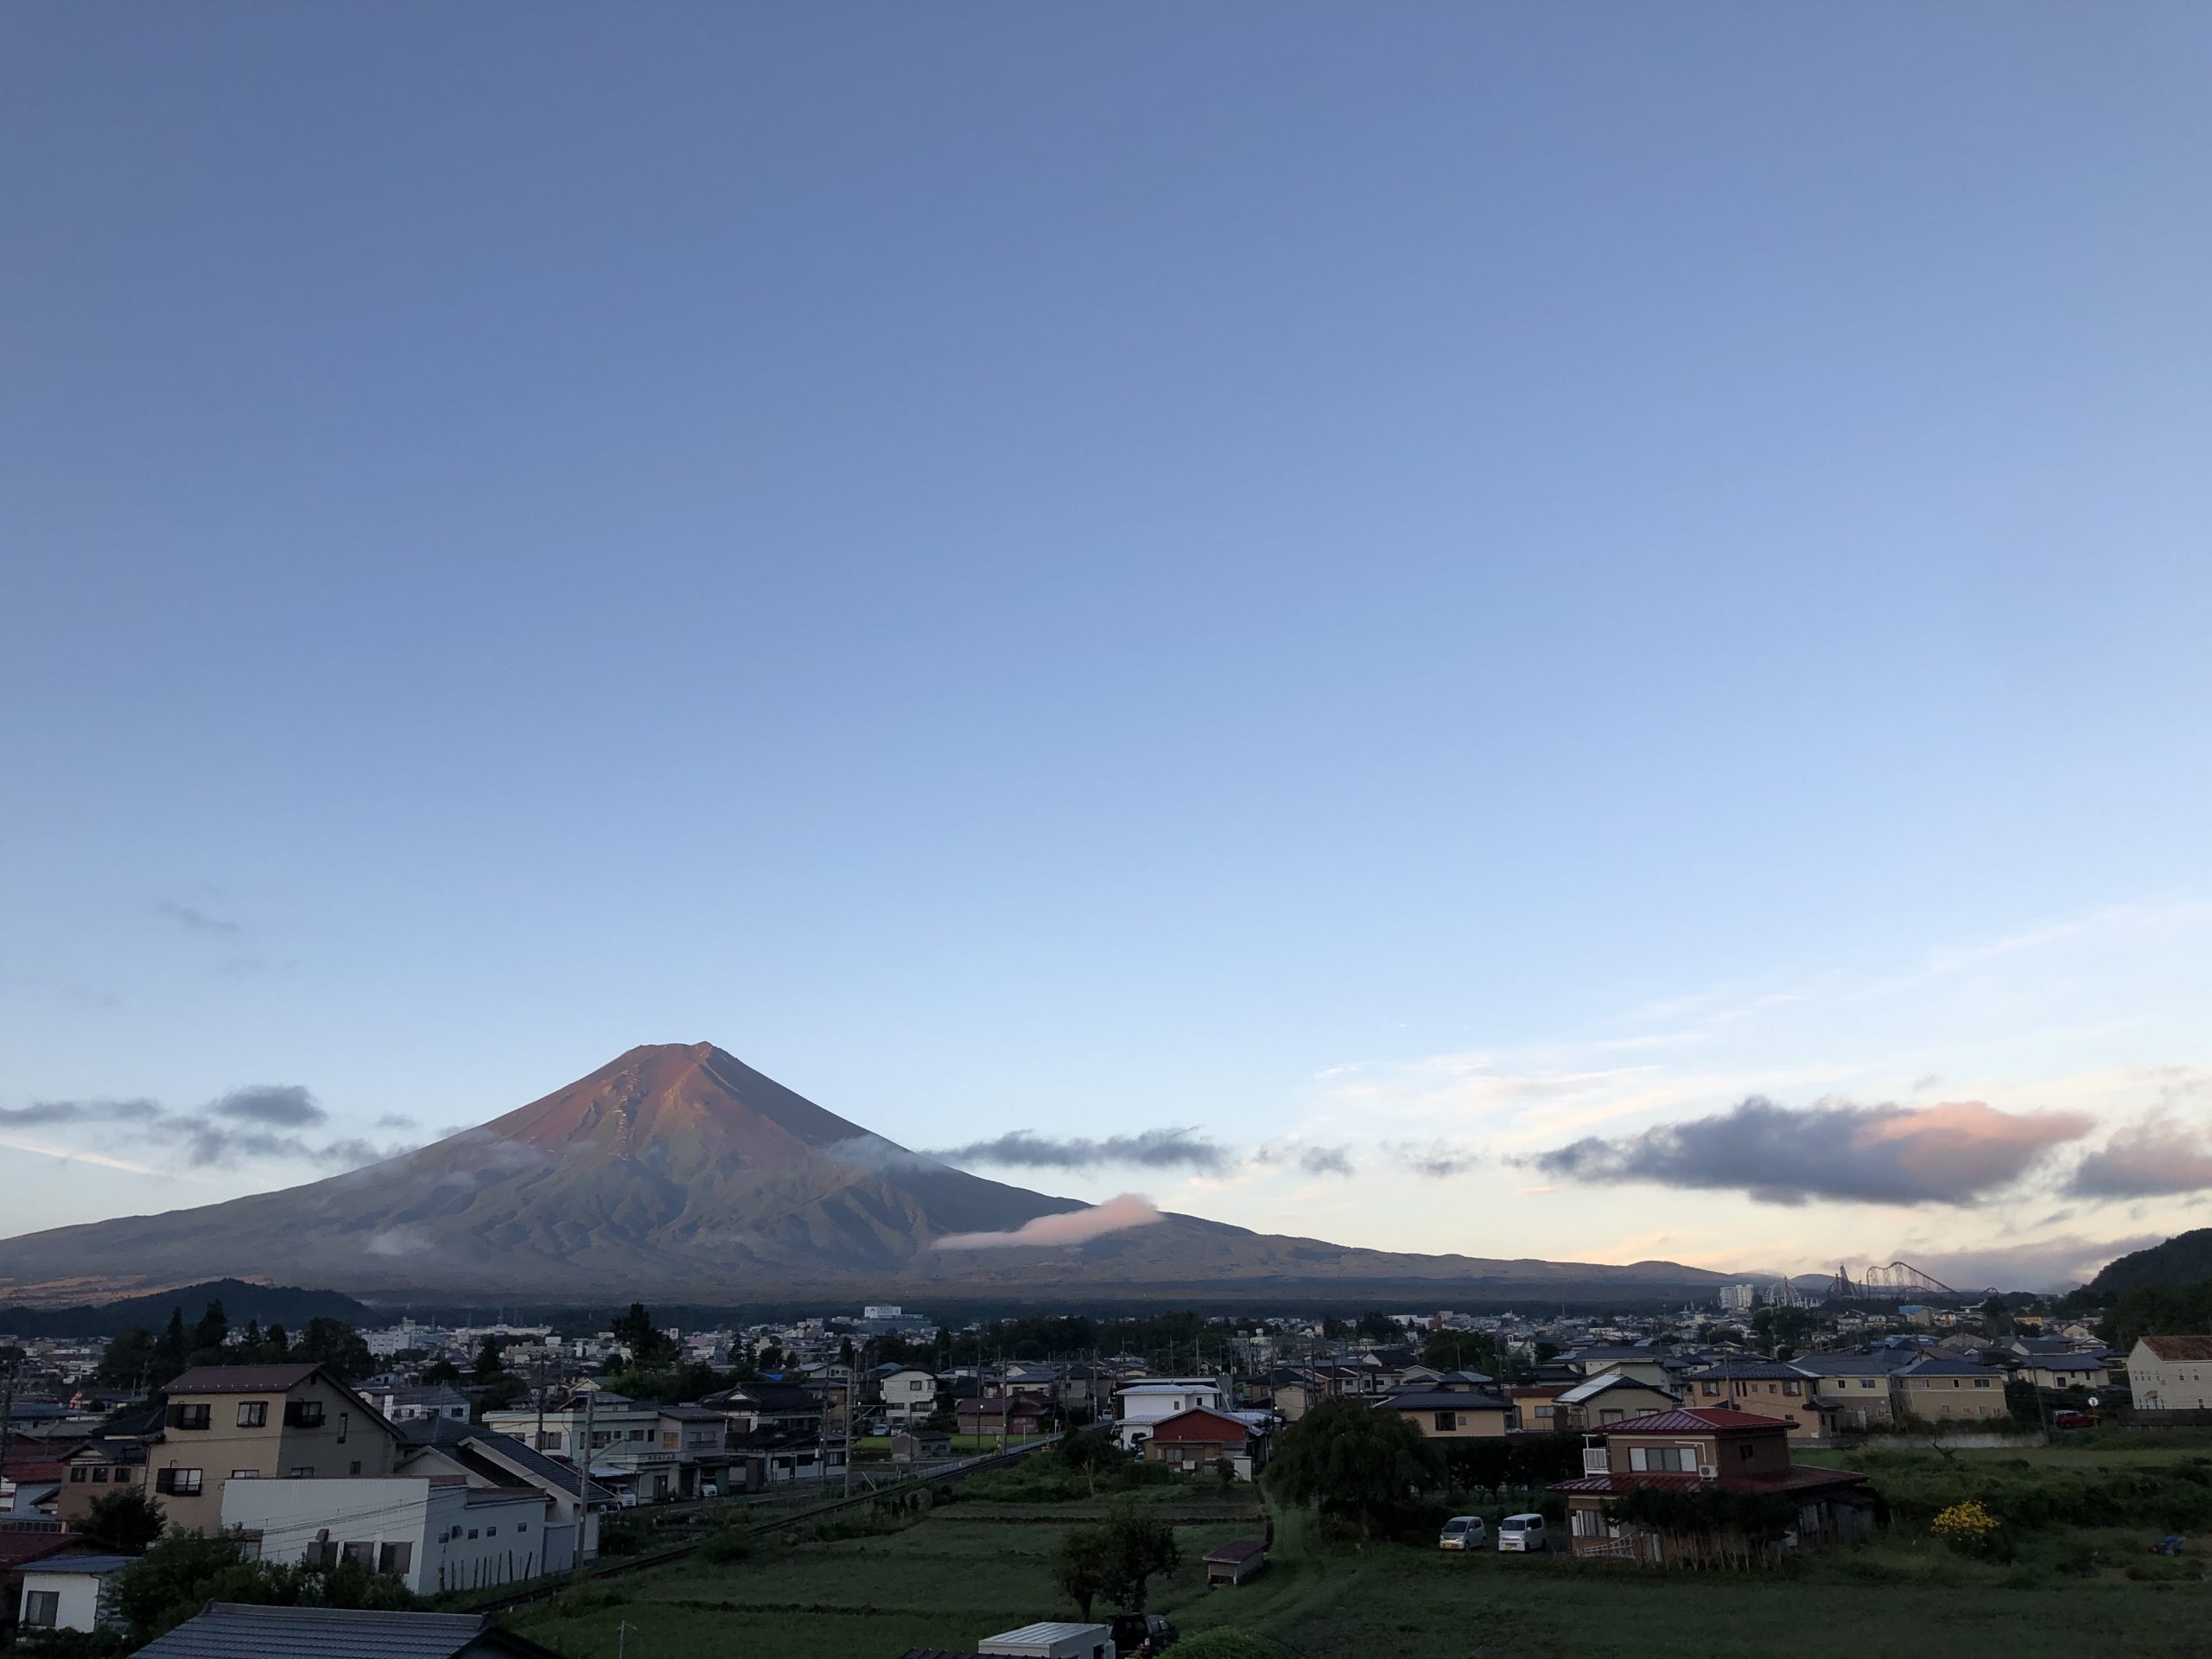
(2073, 1420)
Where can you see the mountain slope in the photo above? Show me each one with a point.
(2184, 1259)
(679, 1171)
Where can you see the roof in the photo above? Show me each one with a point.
(108, 1449)
(1880, 1363)
(2180, 1347)
(487, 1444)
(2065, 1361)
(17, 1547)
(1236, 1550)
(1047, 1630)
(1604, 1381)
(1691, 1420)
(102, 1564)
(241, 1379)
(1439, 1400)
(1748, 1371)
(1194, 1424)
(230, 1630)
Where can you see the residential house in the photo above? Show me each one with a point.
(486, 1459)
(1769, 1388)
(903, 1393)
(1014, 1416)
(96, 1468)
(2170, 1373)
(1697, 1448)
(1199, 1440)
(30, 1484)
(433, 1532)
(407, 1402)
(2071, 1370)
(1451, 1413)
(230, 1630)
(1609, 1397)
(1852, 1389)
(66, 1592)
(1137, 1406)
(234, 1423)
(630, 1446)
(1644, 1365)
(19, 1547)
(1930, 1390)
(1535, 1407)
(1292, 1393)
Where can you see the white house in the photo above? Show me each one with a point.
(906, 1392)
(66, 1592)
(2170, 1373)
(437, 1533)
(1139, 1406)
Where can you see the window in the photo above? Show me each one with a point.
(490, 1532)
(1709, 1388)
(1671, 1459)
(636, 1433)
(245, 1474)
(1791, 1387)
(188, 1414)
(304, 1472)
(549, 1441)
(78, 1473)
(1743, 1451)
(303, 1413)
(1446, 1422)
(363, 1555)
(180, 1483)
(253, 1413)
(1981, 1382)
(395, 1558)
(99, 1475)
(41, 1608)
(344, 1418)
(472, 1532)
(1865, 1381)
(354, 1467)
(522, 1526)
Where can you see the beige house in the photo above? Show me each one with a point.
(1449, 1414)
(1948, 1391)
(1609, 1397)
(260, 1422)
(1769, 1388)
(2172, 1373)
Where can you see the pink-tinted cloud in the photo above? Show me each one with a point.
(1072, 1227)
(2148, 1160)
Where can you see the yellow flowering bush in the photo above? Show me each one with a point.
(1967, 1527)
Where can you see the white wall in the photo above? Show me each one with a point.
(435, 1519)
(79, 1609)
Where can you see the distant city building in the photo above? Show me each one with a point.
(1737, 1298)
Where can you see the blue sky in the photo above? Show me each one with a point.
(1257, 569)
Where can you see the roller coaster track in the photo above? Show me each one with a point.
(1900, 1281)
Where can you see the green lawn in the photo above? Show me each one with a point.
(969, 1570)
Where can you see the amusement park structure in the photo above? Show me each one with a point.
(1900, 1281)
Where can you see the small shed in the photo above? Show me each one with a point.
(1235, 1561)
(920, 1445)
(1051, 1640)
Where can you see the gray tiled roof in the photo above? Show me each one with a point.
(229, 1629)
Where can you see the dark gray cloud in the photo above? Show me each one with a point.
(192, 919)
(1152, 1150)
(1325, 1160)
(2156, 1158)
(1438, 1159)
(1958, 1152)
(394, 1120)
(77, 1111)
(284, 1106)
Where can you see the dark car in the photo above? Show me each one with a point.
(1135, 1633)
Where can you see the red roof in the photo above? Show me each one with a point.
(17, 1547)
(1690, 1420)
(1212, 1427)
(30, 1471)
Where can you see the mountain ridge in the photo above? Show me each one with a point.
(678, 1171)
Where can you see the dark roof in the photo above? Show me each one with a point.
(17, 1547)
(229, 1629)
(2180, 1347)
(241, 1379)
(1748, 1371)
(1439, 1400)
(1929, 1366)
(100, 1564)
(1236, 1550)
(1690, 1420)
(465, 1441)
(2065, 1361)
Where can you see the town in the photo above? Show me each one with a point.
(511, 1467)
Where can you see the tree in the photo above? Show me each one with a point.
(1090, 1450)
(1137, 1546)
(171, 1354)
(489, 1363)
(278, 1342)
(337, 1345)
(845, 1353)
(441, 1370)
(214, 1329)
(1080, 1566)
(1459, 1351)
(1379, 1327)
(1354, 1461)
(128, 1361)
(125, 1523)
(181, 1572)
(647, 1346)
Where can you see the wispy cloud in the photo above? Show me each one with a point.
(259, 1123)
(42, 1112)
(194, 919)
(1956, 1153)
(1437, 1159)
(1116, 1215)
(1152, 1150)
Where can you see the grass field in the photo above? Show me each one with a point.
(970, 1569)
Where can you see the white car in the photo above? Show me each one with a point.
(708, 1489)
(1462, 1532)
(1522, 1532)
(625, 1500)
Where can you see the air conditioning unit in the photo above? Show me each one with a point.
(1708, 1471)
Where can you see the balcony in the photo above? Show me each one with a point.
(1594, 1461)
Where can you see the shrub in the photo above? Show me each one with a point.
(1970, 1529)
(728, 1544)
(587, 1599)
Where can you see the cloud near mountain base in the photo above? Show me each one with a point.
(1116, 1215)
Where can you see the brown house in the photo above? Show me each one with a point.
(1701, 1448)
(1200, 1440)
(1450, 1414)
(258, 1423)
(1769, 1388)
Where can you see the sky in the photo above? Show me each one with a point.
(1554, 632)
